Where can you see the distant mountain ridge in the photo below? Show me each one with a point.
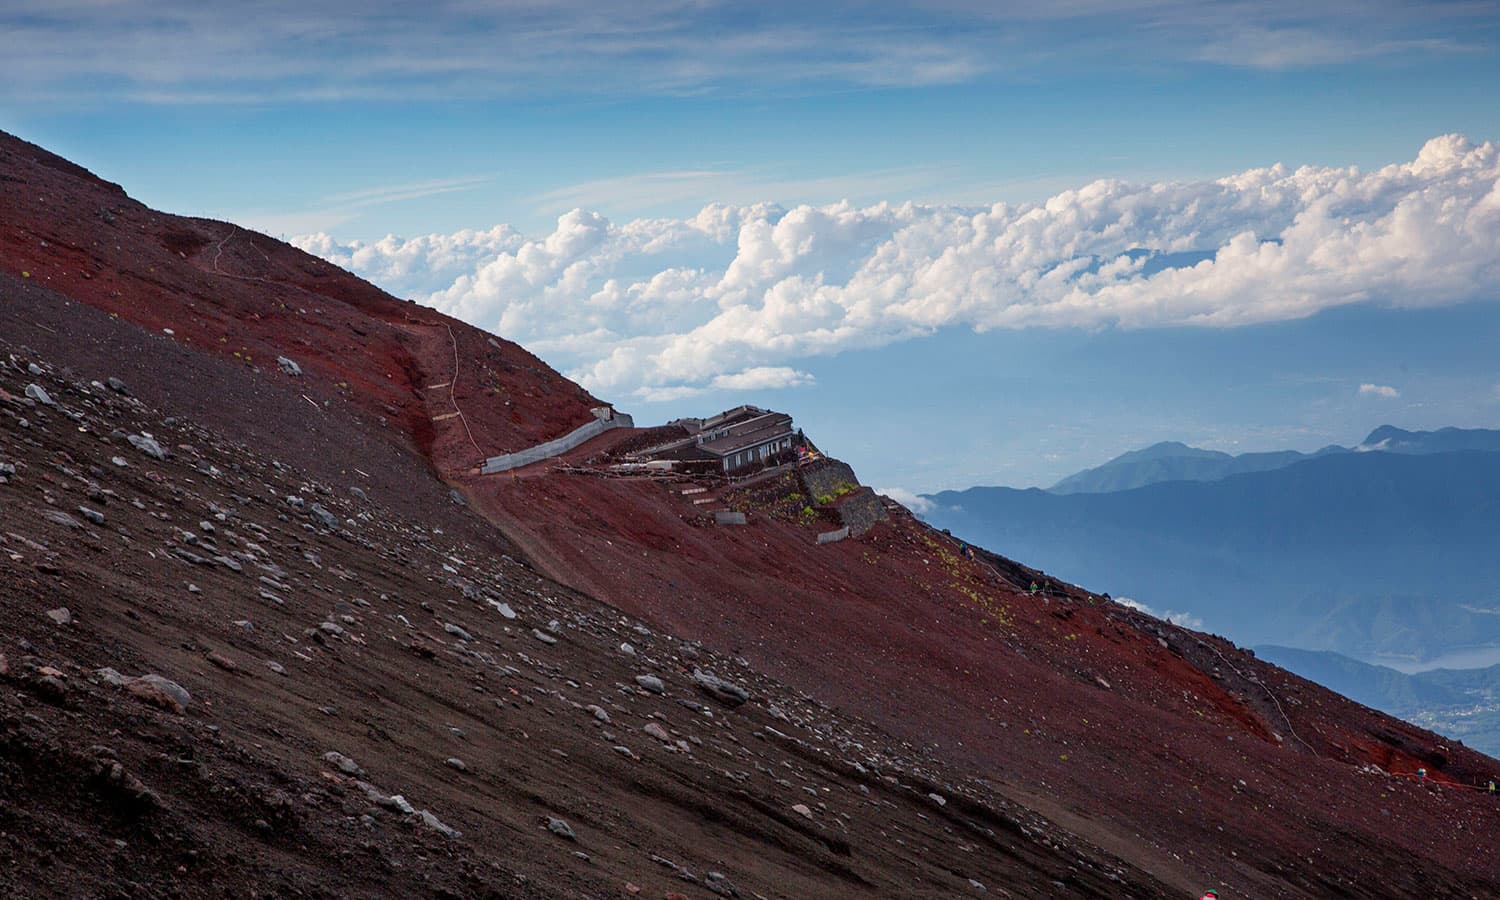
(1372, 553)
(1176, 461)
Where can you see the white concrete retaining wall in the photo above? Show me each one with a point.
(555, 447)
(829, 537)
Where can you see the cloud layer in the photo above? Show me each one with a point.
(737, 295)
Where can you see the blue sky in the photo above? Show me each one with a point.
(889, 219)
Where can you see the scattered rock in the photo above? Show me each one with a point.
(457, 632)
(40, 395)
(725, 692)
(93, 515)
(60, 616)
(222, 662)
(431, 821)
(543, 636)
(326, 518)
(657, 732)
(454, 762)
(117, 386)
(802, 810)
(147, 445)
(288, 366)
(599, 713)
(720, 884)
(160, 692)
(561, 828)
(651, 683)
(343, 763)
(59, 517)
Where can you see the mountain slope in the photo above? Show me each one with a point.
(936, 722)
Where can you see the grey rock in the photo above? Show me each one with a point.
(398, 803)
(276, 667)
(431, 821)
(190, 556)
(170, 688)
(504, 609)
(93, 515)
(561, 828)
(111, 677)
(454, 762)
(326, 518)
(60, 616)
(230, 564)
(288, 366)
(147, 445)
(543, 636)
(720, 884)
(59, 517)
(457, 631)
(725, 692)
(117, 386)
(33, 368)
(658, 732)
(40, 395)
(343, 763)
(360, 493)
(599, 713)
(651, 683)
(628, 649)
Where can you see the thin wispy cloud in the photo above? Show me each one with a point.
(1384, 391)
(394, 193)
(336, 209)
(177, 51)
(662, 307)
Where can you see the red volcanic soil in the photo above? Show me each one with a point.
(1189, 756)
(251, 299)
(1186, 758)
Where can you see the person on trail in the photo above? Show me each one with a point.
(1034, 588)
(1492, 787)
(1421, 774)
(1210, 895)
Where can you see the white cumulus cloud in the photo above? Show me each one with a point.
(666, 307)
(909, 499)
(1184, 619)
(1379, 390)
